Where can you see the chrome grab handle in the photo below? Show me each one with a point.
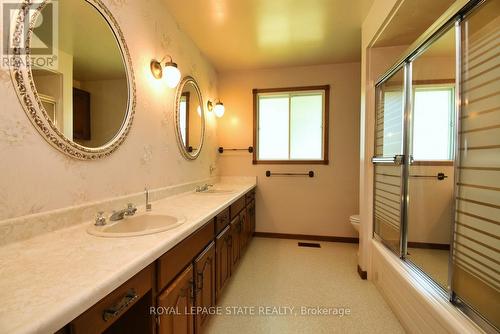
(397, 160)
(440, 176)
(115, 310)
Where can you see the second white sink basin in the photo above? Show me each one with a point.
(141, 224)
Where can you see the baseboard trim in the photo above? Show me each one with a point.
(350, 240)
(428, 245)
(362, 273)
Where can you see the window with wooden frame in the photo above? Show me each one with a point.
(291, 125)
(433, 122)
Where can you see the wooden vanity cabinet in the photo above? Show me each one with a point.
(204, 268)
(223, 260)
(172, 262)
(116, 310)
(177, 301)
(221, 221)
(236, 207)
(184, 283)
(251, 218)
(236, 231)
(245, 230)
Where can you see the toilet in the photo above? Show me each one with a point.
(354, 220)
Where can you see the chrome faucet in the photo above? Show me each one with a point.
(148, 205)
(130, 210)
(100, 220)
(200, 189)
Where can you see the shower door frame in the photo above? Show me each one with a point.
(452, 19)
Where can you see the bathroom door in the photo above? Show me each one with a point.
(389, 188)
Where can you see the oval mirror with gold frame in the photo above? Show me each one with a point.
(78, 92)
(189, 118)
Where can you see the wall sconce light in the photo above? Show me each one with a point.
(218, 109)
(172, 73)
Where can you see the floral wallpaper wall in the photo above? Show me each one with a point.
(34, 177)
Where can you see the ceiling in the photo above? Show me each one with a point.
(254, 34)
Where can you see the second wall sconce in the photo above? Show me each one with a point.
(218, 109)
(171, 72)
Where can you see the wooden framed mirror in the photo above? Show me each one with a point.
(189, 118)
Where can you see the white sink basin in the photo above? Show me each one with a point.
(216, 191)
(141, 224)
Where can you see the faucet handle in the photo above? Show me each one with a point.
(100, 220)
(131, 209)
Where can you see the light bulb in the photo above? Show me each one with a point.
(219, 109)
(172, 74)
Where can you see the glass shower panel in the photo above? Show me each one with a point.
(387, 215)
(430, 186)
(476, 244)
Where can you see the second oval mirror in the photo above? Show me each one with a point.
(189, 118)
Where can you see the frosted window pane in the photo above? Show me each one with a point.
(306, 127)
(273, 128)
(432, 124)
(393, 122)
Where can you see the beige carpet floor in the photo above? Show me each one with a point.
(278, 273)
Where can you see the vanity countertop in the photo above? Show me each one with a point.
(48, 280)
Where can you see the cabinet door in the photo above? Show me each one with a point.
(223, 259)
(236, 231)
(245, 229)
(177, 299)
(205, 285)
(251, 217)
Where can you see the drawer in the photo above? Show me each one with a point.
(109, 309)
(221, 221)
(236, 207)
(172, 262)
(250, 196)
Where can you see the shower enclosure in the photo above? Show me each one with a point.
(437, 160)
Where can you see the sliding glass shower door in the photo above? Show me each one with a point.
(476, 247)
(431, 148)
(437, 160)
(388, 187)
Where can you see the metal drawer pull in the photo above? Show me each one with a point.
(439, 176)
(115, 310)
